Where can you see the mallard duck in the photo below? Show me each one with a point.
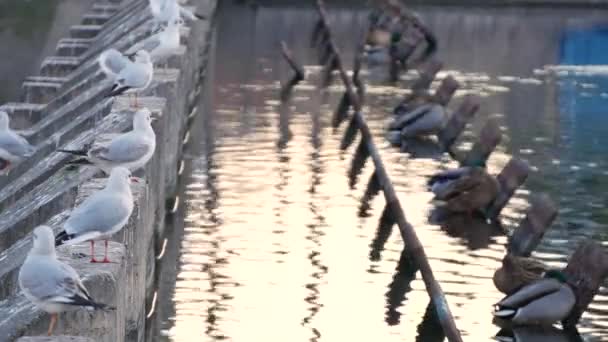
(466, 189)
(517, 272)
(424, 120)
(442, 96)
(542, 302)
(533, 333)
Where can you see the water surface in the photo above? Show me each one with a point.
(272, 246)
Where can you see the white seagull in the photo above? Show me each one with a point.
(128, 76)
(164, 43)
(50, 284)
(13, 147)
(165, 11)
(131, 150)
(101, 215)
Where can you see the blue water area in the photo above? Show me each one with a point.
(585, 46)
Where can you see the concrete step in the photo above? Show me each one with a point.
(22, 114)
(85, 31)
(96, 18)
(62, 338)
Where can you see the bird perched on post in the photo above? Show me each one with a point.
(543, 302)
(50, 284)
(13, 147)
(163, 44)
(101, 215)
(466, 189)
(165, 11)
(128, 76)
(131, 150)
(516, 272)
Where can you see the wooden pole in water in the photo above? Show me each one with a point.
(407, 231)
(586, 270)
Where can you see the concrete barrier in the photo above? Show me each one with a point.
(63, 107)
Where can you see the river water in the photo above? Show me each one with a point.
(272, 246)
(267, 244)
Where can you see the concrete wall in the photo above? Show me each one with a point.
(64, 107)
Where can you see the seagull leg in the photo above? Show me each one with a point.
(52, 324)
(93, 251)
(105, 256)
(136, 104)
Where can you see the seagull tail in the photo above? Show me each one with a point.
(89, 303)
(75, 152)
(118, 91)
(62, 238)
(80, 161)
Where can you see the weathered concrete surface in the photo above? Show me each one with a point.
(64, 108)
(62, 338)
(20, 317)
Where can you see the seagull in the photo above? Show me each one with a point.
(164, 43)
(13, 147)
(101, 215)
(129, 76)
(50, 284)
(165, 11)
(131, 150)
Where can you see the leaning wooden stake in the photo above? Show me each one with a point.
(297, 77)
(510, 178)
(407, 231)
(531, 230)
(585, 272)
(489, 138)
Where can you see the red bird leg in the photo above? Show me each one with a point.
(93, 251)
(105, 255)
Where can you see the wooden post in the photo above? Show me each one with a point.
(408, 234)
(489, 138)
(459, 119)
(529, 233)
(297, 77)
(585, 272)
(446, 90)
(510, 178)
(427, 75)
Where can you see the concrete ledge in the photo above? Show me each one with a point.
(71, 113)
(62, 338)
(102, 281)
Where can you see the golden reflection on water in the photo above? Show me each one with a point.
(273, 249)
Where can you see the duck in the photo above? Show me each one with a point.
(542, 302)
(517, 272)
(442, 96)
(466, 189)
(426, 119)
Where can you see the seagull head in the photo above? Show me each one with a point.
(44, 241)
(119, 180)
(142, 119)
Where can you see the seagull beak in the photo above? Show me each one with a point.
(134, 180)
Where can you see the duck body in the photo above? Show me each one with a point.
(517, 272)
(466, 189)
(542, 302)
(426, 119)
